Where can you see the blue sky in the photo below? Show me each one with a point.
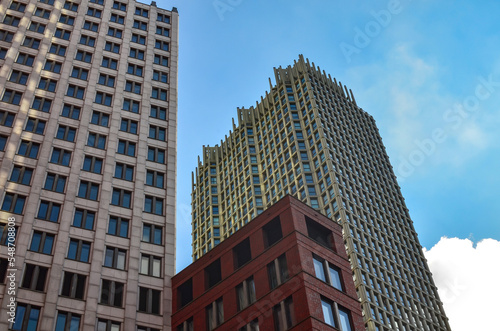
(427, 71)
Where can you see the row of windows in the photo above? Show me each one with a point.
(50, 211)
(27, 315)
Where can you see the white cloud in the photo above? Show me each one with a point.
(467, 280)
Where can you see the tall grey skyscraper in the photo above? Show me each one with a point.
(88, 133)
(307, 137)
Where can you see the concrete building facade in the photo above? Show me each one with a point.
(285, 270)
(88, 134)
(307, 137)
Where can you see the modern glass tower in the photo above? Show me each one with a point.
(307, 137)
(88, 107)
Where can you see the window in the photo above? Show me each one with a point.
(163, 18)
(71, 6)
(156, 155)
(53, 66)
(345, 320)
(19, 77)
(7, 118)
(136, 53)
(26, 317)
(213, 274)
(162, 31)
(136, 38)
(60, 156)
(140, 25)
(242, 253)
(158, 112)
(127, 125)
(36, 27)
(157, 133)
(92, 26)
(152, 234)
(327, 272)
(96, 140)
(99, 2)
(49, 211)
(112, 293)
(112, 47)
(21, 175)
(114, 32)
(107, 325)
(4, 265)
(79, 250)
(18, 6)
(161, 60)
(126, 147)
(87, 40)
(6, 36)
(70, 20)
(3, 142)
(319, 233)
(215, 314)
(92, 164)
(133, 87)
(117, 19)
(42, 242)
(141, 12)
(11, 20)
(124, 171)
(99, 118)
(3, 53)
(155, 178)
(272, 232)
(153, 205)
(115, 258)
(71, 111)
(80, 73)
(73, 285)
(277, 271)
(62, 34)
(121, 198)
(109, 63)
(185, 293)
(160, 94)
(283, 314)
(119, 6)
(49, 2)
(160, 76)
(29, 149)
(107, 80)
(252, 326)
(102, 98)
(66, 133)
(94, 12)
(150, 265)
(160, 44)
(135, 69)
(67, 321)
(55, 182)
(75, 91)
(84, 219)
(131, 105)
(42, 104)
(245, 293)
(83, 56)
(57, 49)
(47, 84)
(25, 59)
(149, 300)
(13, 97)
(118, 226)
(88, 190)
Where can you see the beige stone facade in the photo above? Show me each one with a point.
(88, 135)
(307, 137)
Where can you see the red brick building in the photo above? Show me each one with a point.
(285, 270)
